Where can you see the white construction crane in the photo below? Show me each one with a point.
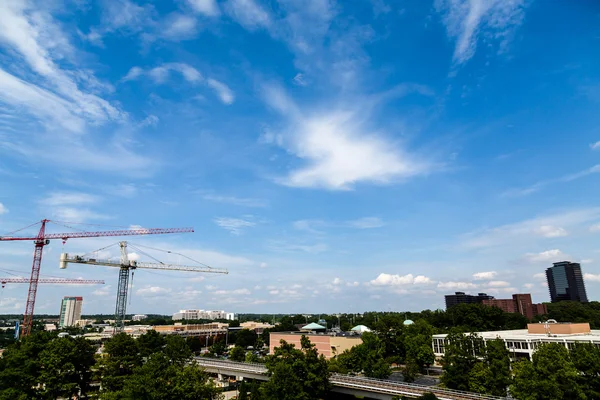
(125, 265)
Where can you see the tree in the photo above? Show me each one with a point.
(19, 367)
(418, 351)
(243, 391)
(234, 324)
(218, 348)
(245, 338)
(195, 344)
(586, 358)
(251, 357)
(66, 365)
(160, 379)
(237, 354)
(121, 358)
(459, 359)
(296, 374)
(150, 343)
(254, 391)
(411, 370)
(550, 376)
(177, 350)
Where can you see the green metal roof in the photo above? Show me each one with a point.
(312, 326)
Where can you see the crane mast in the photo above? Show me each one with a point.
(125, 265)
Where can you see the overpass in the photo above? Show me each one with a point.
(353, 385)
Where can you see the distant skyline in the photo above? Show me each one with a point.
(333, 156)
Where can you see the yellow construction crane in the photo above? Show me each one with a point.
(126, 265)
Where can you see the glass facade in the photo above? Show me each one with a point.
(565, 282)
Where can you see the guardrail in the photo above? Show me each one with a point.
(358, 382)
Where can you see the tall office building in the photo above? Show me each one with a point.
(565, 282)
(462, 298)
(70, 310)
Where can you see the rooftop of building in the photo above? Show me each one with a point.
(330, 333)
(578, 332)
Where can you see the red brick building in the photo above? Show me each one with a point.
(520, 303)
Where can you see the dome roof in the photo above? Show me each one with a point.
(360, 329)
(408, 322)
(312, 326)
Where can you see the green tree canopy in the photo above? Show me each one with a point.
(550, 376)
(296, 374)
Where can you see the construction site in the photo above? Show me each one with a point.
(126, 265)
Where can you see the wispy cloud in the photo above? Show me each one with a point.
(179, 26)
(248, 13)
(206, 7)
(366, 223)
(550, 226)
(595, 146)
(222, 90)
(317, 226)
(3, 209)
(234, 225)
(161, 73)
(338, 148)
(540, 185)
(238, 201)
(546, 257)
(305, 248)
(37, 38)
(467, 20)
(72, 206)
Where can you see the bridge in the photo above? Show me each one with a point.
(354, 385)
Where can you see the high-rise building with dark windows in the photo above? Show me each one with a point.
(565, 282)
(463, 298)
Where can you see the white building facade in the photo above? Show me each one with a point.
(203, 314)
(139, 317)
(522, 343)
(70, 311)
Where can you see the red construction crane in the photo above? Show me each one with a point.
(56, 281)
(42, 239)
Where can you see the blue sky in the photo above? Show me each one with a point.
(333, 156)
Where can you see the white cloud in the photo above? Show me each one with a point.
(336, 281)
(592, 277)
(595, 146)
(206, 7)
(238, 201)
(150, 291)
(232, 292)
(309, 226)
(161, 73)
(233, 225)
(547, 256)
(179, 26)
(453, 285)
(551, 231)
(300, 80)
(225, 94)
(528, 285)
(338, 147)
(248, 14)
(549, 226)
(595, 228)
(480, 276)
(103, 292)
(306, 248)
(466, 20)
(540, 276)
(498, 284)
(398, 280)
(125, 16)
(263, 265)
(69, 198)
(352, 284)
(366, 223)
(539, 185)
(72, 214)
(3, 209)
(31, 32)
